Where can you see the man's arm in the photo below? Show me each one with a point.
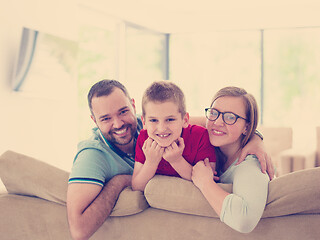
(89, 205)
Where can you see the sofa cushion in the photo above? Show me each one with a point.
(297, 192)
(25, 175)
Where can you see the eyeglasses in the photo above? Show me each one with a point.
(229, 118)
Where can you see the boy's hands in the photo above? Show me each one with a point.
(174, 152)
(152, 151)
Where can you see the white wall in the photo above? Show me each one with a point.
(42, 128)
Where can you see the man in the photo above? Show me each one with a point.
(104, 164)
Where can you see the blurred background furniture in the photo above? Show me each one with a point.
(286, 158)
(277, 140)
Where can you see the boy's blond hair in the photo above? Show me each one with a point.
(163, 91)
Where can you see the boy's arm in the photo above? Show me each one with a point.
(173, 155)
(142, 173)
(89, 205)
(183, 168)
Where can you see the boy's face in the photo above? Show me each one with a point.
(164, 122)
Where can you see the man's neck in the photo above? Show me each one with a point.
(128, 148)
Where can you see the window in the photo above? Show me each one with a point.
(201, 64)
(145, 60)
(286, 88)
(134, 56)
(292, 80)
(96, 61)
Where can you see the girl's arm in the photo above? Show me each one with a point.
(242, 209)
(202, 177)
(256, 147)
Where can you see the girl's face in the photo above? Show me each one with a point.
(221, 134)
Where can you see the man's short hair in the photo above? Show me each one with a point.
(105, 88)
(163, 91)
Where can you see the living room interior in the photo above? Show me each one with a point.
(53, 51)
(271, 49)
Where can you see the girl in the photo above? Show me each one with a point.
(231, 121)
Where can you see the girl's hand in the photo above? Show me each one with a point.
(202, 173)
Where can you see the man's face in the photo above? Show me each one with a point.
(115, 116)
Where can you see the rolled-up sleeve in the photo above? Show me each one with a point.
(243, 209)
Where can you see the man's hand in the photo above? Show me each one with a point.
(255, 146)
(174, 152)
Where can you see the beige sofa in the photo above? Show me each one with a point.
(171, 208)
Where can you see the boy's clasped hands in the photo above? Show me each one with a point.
(154, 152)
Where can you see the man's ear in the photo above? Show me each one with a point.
(133, 103)
(143, 122)
(93, 119)
(185, 120)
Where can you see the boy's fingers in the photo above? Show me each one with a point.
(206, 162)
(181, 142)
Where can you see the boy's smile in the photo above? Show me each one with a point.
(164, 122)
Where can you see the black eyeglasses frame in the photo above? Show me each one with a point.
(223, 113)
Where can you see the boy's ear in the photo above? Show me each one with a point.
(143, 122)
(185, 120)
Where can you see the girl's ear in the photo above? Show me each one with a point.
(245, 129)
(185, 120)
(143, 122)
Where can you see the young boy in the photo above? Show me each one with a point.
(168, 145)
